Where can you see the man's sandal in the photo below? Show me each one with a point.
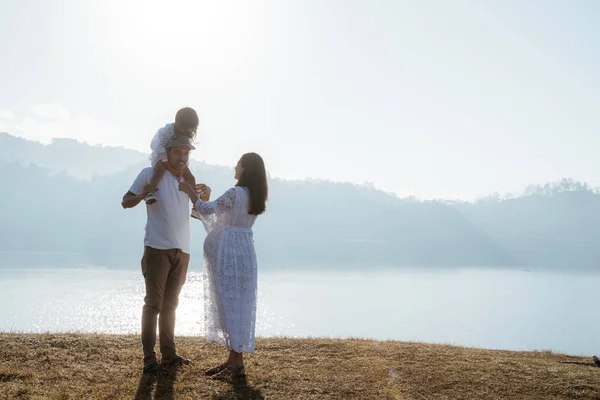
(177, 361)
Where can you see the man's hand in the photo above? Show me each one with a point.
(148, 189)
(173, 171)
(131, 200)
(203, 191)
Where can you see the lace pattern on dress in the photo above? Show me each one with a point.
(230, 271)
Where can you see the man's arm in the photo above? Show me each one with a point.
(131, 200)
(138, 191)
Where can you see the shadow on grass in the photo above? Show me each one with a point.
(165, 385)
(240, 390)
(581, 364)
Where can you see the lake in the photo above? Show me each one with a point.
(500, 309)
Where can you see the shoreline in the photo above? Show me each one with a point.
(134, 267)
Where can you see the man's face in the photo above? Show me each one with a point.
(178, 157)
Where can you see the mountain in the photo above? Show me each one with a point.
(556, 230)
(50, 215)
(69, 156)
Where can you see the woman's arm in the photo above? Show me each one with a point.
(223, 203)
(193, 192)
(205, 207)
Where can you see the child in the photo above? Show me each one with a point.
(186, 123)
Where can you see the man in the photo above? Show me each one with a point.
(166, 253)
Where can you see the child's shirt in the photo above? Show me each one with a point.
(159, 141)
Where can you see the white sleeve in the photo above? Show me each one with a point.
(225, 202)
(209, 210)
(142, 179)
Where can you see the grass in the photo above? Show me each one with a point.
(88, 366)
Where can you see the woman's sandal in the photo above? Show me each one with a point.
(215, 370)
(231, 373)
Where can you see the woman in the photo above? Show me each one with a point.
(230, 269)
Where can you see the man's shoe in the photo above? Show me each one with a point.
(178, 361)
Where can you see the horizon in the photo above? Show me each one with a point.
(494, 195)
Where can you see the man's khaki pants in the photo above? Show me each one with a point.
(164, 273)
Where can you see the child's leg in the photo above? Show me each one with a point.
(157, 173)
(189, 177)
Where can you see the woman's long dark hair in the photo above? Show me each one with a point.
(254, 178)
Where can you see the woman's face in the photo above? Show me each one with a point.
(238, 170)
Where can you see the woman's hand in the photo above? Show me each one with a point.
(203, 191)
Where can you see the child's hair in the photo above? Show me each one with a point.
(254, 178)
(186, 119)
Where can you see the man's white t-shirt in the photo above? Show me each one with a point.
(168, 225)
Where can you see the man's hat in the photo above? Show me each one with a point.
(179, 140)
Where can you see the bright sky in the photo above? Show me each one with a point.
(452, 99)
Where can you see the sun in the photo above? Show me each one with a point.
(208, 35)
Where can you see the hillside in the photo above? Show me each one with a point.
(48, 216)
(68, 156)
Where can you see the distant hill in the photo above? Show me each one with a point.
(69, 156)
(557, 230)
(50, 216)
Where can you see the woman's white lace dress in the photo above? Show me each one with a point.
(230, 270)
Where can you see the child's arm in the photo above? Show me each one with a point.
(189, 177)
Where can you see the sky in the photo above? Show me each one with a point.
(437, 99)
